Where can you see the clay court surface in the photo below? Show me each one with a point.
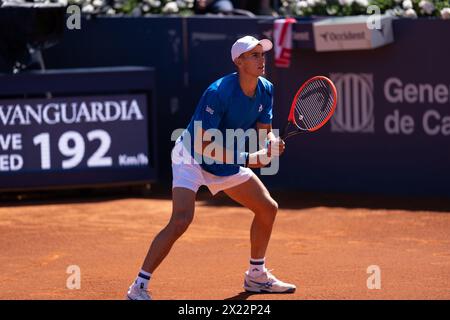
(322, 244)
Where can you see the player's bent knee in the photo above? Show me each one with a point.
(272, 208)
(268, 211)
(180, 224)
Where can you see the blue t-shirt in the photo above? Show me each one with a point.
(225, 106)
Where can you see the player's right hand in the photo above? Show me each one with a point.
(275, 147)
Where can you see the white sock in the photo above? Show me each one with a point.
(257, 267)
(142, 279)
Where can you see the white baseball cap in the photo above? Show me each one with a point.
(246, 44)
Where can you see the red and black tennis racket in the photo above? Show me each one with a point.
(312, 107)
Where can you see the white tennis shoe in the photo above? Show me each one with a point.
(267, 283)
(137, 293)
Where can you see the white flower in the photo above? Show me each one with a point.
(426, 6)
(410, 13)
(170, 7)
(111, 11)
(346, 2)
(311, 3)
(88, 8)
(98, 3)
(363, 3)
(407, 4)
(302, 5)
(445, 13)
(145, 8)
(190, 4)
(154, 3)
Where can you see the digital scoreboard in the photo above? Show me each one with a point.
(77, 140)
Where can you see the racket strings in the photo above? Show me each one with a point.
(305, 115)
(313, 105)
(314, 102)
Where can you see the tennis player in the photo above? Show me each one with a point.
(240, 100)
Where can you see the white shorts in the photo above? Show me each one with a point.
(187, 173)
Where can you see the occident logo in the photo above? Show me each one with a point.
(355, 106)
(344, 36)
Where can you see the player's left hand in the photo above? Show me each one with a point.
(275, 147)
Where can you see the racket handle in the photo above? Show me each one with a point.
(284, 134)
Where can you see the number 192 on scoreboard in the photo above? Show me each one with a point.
(72, 145)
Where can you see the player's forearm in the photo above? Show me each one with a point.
(214, 152)
(218, 154)
(258, 159)
(271, 136)
(266, 134)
